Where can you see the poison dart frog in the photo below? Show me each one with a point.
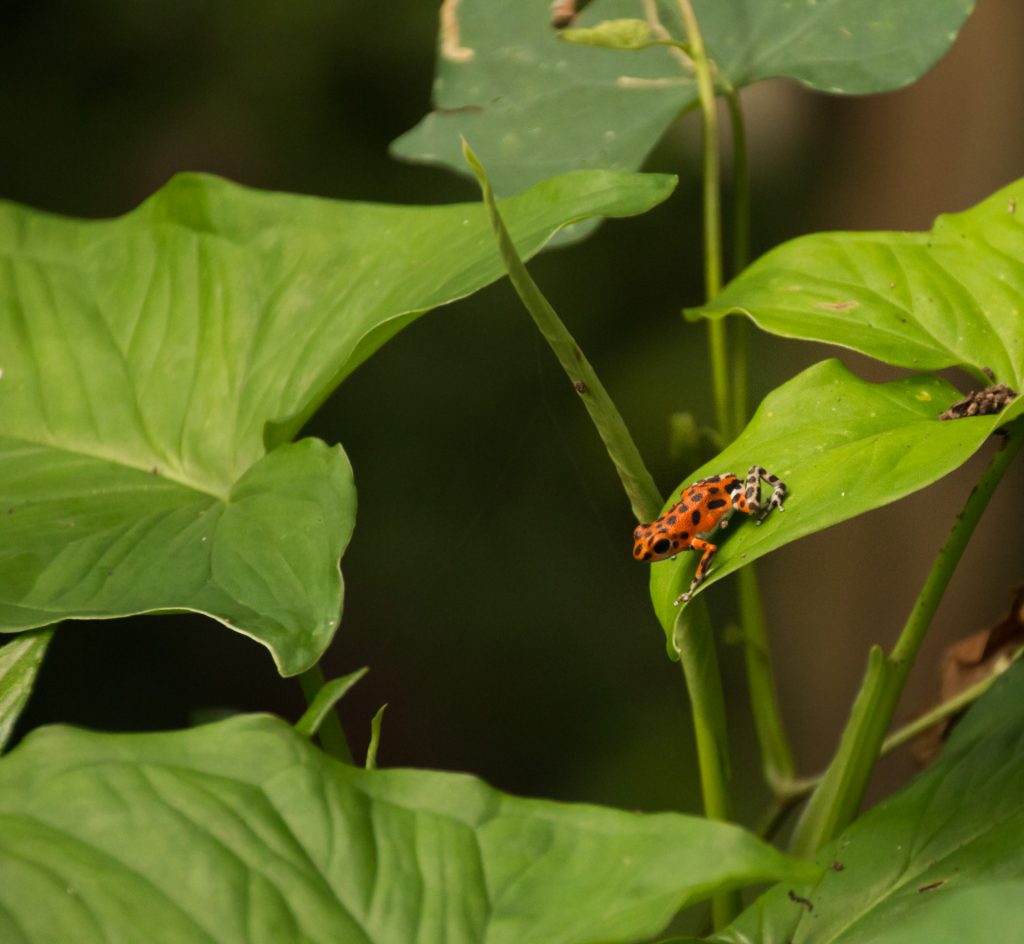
(703, 507)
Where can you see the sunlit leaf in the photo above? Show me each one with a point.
(952, 297)
(843, 446)
(242, 831)
(155, 366)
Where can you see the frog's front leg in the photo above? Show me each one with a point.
(751, 495)
(703, 568)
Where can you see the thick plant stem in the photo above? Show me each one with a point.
(636, 480)
(835, 802)
(694, 641)
(331, 735)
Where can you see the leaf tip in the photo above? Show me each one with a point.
(469, 156)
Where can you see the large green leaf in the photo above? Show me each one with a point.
(532, 106)
(241, 831)
(953, 297)
(843, 446)
(150, 362)
(942, 862)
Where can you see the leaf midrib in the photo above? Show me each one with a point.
(147, 469)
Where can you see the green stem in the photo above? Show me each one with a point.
(636, 480)
(946, 709)
(331, 734)
(741, 184)
(711, 188)
(697, 650)
(694, 640)
(740, 252)
(776, 755)
(790, 793)
(837, 798)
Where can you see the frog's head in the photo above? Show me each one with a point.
(654, 542)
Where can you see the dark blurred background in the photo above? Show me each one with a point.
(490, 586)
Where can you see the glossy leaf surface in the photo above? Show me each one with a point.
(151, 361)
(243, 831)
(843, 446)
(952, 297)
(532, 106)
(942, 861)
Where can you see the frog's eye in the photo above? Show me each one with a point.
(661, 545)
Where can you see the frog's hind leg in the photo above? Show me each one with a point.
(703, 568)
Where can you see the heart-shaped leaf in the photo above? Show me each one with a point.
(843, 446)
(150, 362)
(953, 297)
(943, 861)
(533, 107)
(242, 830)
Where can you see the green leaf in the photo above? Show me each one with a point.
(953, 297)
(328, 695)
(155, 366)
(20, 660)
(242, 831)
(850, 47)
(533, 107)
(843, 446)
(375, 726)
(612, 34)
(941, 862)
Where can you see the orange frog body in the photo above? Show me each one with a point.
(703, 507)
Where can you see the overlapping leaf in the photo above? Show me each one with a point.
(241, 831)
(941, 862)
(150, 362)
(533, 107)
(843, 446)
(953, 297)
